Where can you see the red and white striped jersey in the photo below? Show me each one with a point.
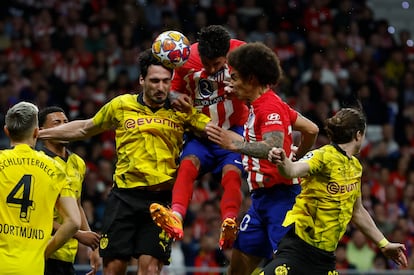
(267, 114)
(207, 91)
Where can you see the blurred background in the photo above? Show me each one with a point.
(79, 54)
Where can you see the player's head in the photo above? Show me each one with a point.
(213, 46)
(346, 125)
(147, 59)
(155, 79)
(21, 122)
(52, 116)
(254, 65)
(46, 117)
(256, 60)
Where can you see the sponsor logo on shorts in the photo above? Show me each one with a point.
(103, 243)
(164, 241)
(282, 270)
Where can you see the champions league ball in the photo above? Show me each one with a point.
(172, 48)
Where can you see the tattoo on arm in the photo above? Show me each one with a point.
(261, 149)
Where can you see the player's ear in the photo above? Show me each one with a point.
(141, 80)
(6, 131)
(253, 80)
(36, 133)
(358, 135)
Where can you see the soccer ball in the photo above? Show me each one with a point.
(172, 48)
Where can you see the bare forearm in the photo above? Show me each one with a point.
(291, 169)
(253, 149)
(366, 224)
(61, 236)
(260, 149)
(69, 211)
(307, 142)
(84, 220)
(84, 223)
(309, 132)
(74, 130)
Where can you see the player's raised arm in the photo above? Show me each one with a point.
(74, 130)
(309, 132)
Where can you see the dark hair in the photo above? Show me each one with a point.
(344, 125)
(146, 59)
(213, 41)
(258, 60)
(48, 110)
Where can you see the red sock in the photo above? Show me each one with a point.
(232, 197)
(183, 186)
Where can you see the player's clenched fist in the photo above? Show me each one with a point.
(276, 155)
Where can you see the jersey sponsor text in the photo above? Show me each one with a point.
(22, 231)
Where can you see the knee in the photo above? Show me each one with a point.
(194, 159)
(149, 265)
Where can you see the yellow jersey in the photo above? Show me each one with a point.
(324, 208)
(148, 142)
(30, 183)
(75, 169)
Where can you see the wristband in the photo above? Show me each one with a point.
(383, 243)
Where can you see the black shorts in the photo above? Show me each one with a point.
(296, 257)
(128, 229)
(58, 267)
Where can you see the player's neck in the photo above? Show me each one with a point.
(349, 148)
(259, 91)
(152, 105)
(31, 143)
(56, 148)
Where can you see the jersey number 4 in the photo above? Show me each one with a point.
(20, 197)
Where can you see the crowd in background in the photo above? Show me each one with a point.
(79, 54)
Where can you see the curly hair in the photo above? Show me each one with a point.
(257, 60)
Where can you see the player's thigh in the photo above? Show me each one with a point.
(273, 204)
(224, 160)
(118, 229)
(298, 258)
(282, 265)
(252, 238)
(151, 240)
(196, 147)
(242, 263)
